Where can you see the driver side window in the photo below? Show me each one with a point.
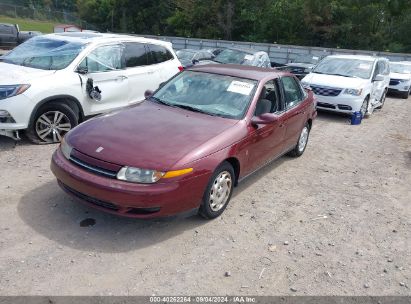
(269, 100)
(103, 59)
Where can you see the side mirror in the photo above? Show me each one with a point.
(195, 61)
(148, 94)
(379, 77)
(264, 119)
(82, 71)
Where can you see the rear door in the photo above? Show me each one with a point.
(162, 62)
(104, 66)
(295, 110)
(141, 76)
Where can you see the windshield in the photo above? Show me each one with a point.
(44, 53)
(185, 55)
(235, 57)
(212, 94)
(347, 67)
(306, 59)
(400, 68)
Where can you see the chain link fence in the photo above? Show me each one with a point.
(17, 11)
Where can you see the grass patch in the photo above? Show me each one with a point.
(29, 24)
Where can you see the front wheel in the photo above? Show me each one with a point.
(364, 106)
(51, 122)
(302, 142)
(382, 100)
(218, 192)
(405, 95)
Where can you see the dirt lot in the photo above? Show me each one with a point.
(334, 222)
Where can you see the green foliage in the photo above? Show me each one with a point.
(359, 24)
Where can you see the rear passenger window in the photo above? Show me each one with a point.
(292, 92)
(158, 54)
(135, 54)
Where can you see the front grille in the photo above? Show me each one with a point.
(91, 200)
(394, 82)
(325, 105)
(93, 169)
(324, 91)
(344, 107)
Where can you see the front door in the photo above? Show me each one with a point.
(266, 142)
(104, 66)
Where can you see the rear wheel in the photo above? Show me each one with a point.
(218, 192)
(302, 142)
(51, 122)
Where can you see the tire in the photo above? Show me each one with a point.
(364, 106)
(404, 95)
(51, 122)
(382, 100)
(302, 142)
(221, 183)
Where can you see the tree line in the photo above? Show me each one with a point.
(381, 25)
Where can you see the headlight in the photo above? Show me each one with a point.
(146, 176)
(137, 175)
(65, 149)
(355, 92)
(7, 91)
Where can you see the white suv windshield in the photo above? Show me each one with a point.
(212, 94)
(400, 68)
(346, 67)
(44, 53)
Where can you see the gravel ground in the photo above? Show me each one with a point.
(335, 221)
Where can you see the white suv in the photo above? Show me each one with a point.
(350, 83)
(51, 83)
(400, 78)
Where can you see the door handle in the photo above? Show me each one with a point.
(122, 77)
(150, 72)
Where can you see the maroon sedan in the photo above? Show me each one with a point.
(188, 144)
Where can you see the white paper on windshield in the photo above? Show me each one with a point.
(315, 58)
(248, 57)
(364, 66)
(240, 87)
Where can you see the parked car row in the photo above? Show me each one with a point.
(171, 139)
(250, 57)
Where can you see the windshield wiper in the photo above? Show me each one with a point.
(194, 109)
(158, 100)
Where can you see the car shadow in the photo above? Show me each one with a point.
(59, 217)
(8, 144)
(329, 116)
(253, 178)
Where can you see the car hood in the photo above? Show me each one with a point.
(334, 81)
(150, 136)
(400, 76)
(16, 74)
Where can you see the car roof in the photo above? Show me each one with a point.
(361, 57)
(89, 37)
(401, 62)
(241, 71)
